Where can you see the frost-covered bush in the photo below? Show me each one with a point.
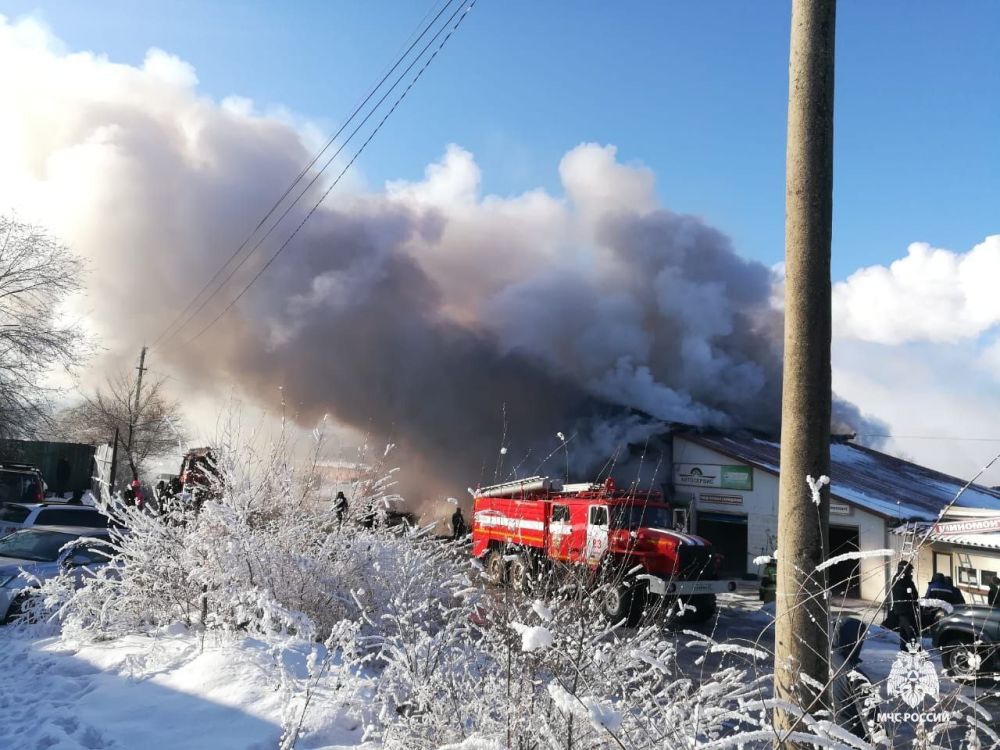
(257, 552)
(494, 667)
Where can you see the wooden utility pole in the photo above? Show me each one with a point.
(802, 617)
(135, 413)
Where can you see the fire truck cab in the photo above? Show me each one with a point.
(622, 540)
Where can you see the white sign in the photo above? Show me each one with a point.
(726, 477)
(722, 499)
(981, 526)
(840, 509)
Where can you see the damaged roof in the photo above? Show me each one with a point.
(879, 483)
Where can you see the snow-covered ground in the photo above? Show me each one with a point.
(178, 691)
(171, 692)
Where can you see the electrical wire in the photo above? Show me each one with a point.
(173, 328)
(929, 437)
(464, 11)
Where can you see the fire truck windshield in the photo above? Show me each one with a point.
(634, 516)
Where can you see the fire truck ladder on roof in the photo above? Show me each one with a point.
(519, 486)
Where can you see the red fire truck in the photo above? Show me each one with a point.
(623, 540)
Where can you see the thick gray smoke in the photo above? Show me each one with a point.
(454, 324)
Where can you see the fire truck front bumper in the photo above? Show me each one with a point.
(664, 587)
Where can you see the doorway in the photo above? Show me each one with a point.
(844, 578)
(728, 535)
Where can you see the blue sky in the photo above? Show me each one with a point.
(696, 91)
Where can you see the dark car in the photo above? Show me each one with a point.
(20, 483)
(969, 640)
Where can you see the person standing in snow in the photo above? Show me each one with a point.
(458, 528)
(340, 507)
(854, 696)
(903, 608)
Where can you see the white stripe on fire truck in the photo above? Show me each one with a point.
(510, 523)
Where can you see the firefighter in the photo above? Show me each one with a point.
(340, 506)
(957, 597)
(458, 527)
(903, 607)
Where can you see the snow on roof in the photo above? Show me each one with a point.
(879, 483)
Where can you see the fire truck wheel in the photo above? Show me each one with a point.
(519, 574)
(704, 605)
(496, 568)
(620, 602)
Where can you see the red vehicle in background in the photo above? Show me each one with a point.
(622, 540)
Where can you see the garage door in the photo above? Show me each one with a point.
(728, 535)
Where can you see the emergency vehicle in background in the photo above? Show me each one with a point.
(623, 540)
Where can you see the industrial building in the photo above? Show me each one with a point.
(725, 488)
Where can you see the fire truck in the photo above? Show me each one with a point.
(622, 541)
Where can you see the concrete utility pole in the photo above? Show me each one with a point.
(802, 617)
(135, 413)
(114, 462)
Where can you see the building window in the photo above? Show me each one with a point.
(990, 577)
(968, 575)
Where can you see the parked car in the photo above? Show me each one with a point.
(16, 516)
(43, 553)
(21, 483)
(969, 640)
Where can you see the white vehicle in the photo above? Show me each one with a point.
(44, 553)
(17, 516)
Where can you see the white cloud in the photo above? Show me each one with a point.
(930, 295)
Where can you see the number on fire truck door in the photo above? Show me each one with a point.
(597, 533)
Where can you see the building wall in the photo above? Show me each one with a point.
(760, 506)
(65, 467)
(980, 560)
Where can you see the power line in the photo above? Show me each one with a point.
(174, 328)
(929, 437)
(329, 161)
(368, 140)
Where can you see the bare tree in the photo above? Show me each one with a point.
(37, 274)
(159, 428)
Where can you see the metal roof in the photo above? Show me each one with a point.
(985, 541)
(876, 482)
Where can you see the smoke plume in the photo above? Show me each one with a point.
(455, 324)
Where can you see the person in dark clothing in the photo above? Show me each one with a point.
(938, 588)
(993, 595)
(340, 506)
(458, 527)
(956, 594)
(904, 605)
(850, 687)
